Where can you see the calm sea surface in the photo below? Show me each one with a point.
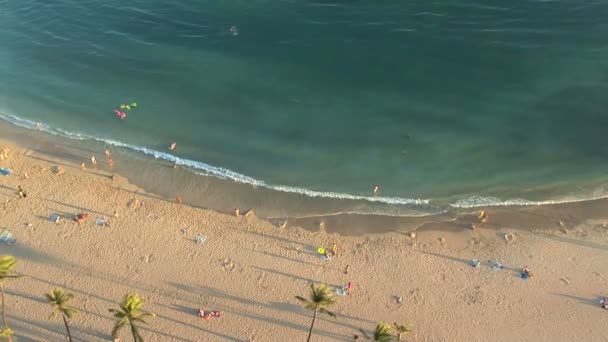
(471, 101)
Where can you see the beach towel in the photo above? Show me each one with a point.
(496, 266)
(55, 218)
(5, 172)
(200, 238)
(340, 291)
(7, 238)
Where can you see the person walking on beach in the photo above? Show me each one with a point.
(93, 160)
(334, 250)
(107, 153)
(22, 193)
(346, 269)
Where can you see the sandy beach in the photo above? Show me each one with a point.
(251, 269)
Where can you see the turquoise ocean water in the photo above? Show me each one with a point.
(467, 101)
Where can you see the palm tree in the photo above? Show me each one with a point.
(130, 312)
(320, 297)
(382, 333)
(402, 329)
(7, 263)
(6, 333)
(59, 300)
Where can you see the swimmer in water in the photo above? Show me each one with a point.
(172, 146)
(376, 189)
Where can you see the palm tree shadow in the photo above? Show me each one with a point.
(287, 307)
(306, 280)
(574, 241)
(81, 209)
(447, 257)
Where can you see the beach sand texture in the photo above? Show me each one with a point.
(251, 270)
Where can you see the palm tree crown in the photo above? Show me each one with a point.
(130, 312)
(59, 300)
(383, 333)
(320, 297)
(403, 329)
(7, 263)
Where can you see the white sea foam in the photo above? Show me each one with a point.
(207, 169)
(224, 173)
(480, 201)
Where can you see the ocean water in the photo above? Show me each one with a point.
(465, 102)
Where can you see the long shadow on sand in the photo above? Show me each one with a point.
(80, 209)
(574, 241)
(278, 306)
(468, 262)
(294, 260)
(212, 292)
(595, 302)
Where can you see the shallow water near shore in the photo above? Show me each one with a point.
(461, 104)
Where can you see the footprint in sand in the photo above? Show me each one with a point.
(227, 264)
(475, 296)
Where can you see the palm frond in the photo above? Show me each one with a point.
(365, 334)
(403, 329)
(6, 332)
(383, 333)
(119, 325)
(52, 315)
(302, 299)
(320, 296)
(70, 312)
(59, 300)
(327, 312)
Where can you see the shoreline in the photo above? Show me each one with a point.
(159, 179)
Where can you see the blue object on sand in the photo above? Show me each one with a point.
(7, 238)
(5, 172)
(524, 275)
(475, 262)
(496, 266)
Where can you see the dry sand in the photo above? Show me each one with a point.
(251, 270)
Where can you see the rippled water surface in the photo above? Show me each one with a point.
(465, 100)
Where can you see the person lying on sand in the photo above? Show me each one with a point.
(79, 218)
(208, 314)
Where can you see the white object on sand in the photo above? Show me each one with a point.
(200, 238)
(7, 238)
